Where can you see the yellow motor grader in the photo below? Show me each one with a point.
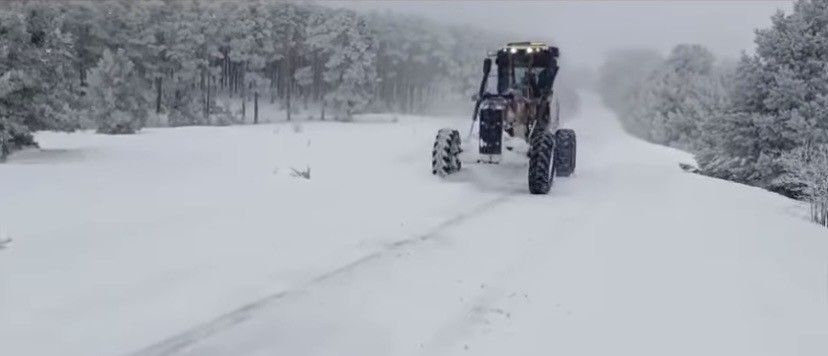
(520, 106)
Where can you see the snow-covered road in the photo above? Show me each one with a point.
(197, 241)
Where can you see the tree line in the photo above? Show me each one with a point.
(114, 64)
(761, 121)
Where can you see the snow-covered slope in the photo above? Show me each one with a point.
(197, 241)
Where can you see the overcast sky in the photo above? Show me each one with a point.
(586, 30)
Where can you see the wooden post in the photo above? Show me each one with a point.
(256, 107)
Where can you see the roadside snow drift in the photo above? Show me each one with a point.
(200, 241)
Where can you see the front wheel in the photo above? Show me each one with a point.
(541, 167)
(445, 158)
(565, 145)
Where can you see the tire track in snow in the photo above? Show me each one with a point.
(180, 342)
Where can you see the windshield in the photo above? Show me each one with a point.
(514, 72)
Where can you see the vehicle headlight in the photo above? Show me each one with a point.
(493, 105)
(513, 50)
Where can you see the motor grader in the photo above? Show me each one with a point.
(522, 105)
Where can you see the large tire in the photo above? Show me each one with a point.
(541, 167)
(565, 146)
(541, 123)
(445, 158)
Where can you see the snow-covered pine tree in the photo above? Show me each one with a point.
(193, 32)
(684, 92)
(319, 42)
(729, 147)
(806, 170)
(350, 70)
(13, 133)
(36, 72)
(780, 102)
(118, 99)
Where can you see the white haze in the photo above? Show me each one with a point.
(587, 30)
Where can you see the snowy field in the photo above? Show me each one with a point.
(199, 241)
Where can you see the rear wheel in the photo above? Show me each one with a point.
(541, 123)
(541, 167)
(445, 158)
(565, 145)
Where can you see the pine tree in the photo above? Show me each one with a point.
(780, 102)
(350, 70)
(678, 98)
(118, 98)
(36, 72)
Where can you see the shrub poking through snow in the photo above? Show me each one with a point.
(13, 137)
(4, 240)
(807, 172)
(118, 102)
(300, 173)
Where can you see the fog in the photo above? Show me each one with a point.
(587, 30)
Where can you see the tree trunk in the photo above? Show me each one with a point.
(288, 86)
(273, 83)
(158, 94)
(256, 107)
(287, 97)
(204, 95)
(225, 71)
(233, 79)
(207, 102)
(239, 78)
(317, 78)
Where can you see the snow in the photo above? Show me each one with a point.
(198, 241)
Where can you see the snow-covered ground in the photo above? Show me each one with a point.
(198, 241)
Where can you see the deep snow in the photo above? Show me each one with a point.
(140, 244)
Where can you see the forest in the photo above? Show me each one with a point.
(119, 65)
(761, 120)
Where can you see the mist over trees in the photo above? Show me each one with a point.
(115, 65)
(664, 100)
(621, 77)
(762, 122)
